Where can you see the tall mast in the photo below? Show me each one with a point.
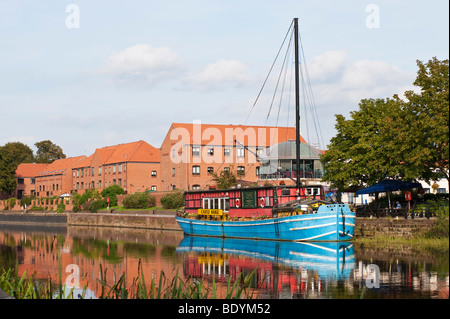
(297, 105)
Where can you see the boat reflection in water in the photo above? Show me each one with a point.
(284, 269)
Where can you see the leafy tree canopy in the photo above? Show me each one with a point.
(11, 155)
(47, 152)
(225, 179)
(394, 138)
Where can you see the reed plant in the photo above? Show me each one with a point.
(27, 287)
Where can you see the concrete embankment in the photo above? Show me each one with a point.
(164, 220)
(161, 220)
(128, 220)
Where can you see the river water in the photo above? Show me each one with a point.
(80, 256)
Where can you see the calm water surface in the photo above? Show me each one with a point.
(283, 269)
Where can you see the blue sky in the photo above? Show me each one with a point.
(131, 68)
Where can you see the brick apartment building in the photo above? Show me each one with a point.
(26, 178)
(186, 159)
(135, 167)
(56, 178)
(190, 152)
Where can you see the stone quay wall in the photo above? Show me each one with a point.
(372, 227)
(366, 227)
(129, 220)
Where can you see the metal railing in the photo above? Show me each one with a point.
(416, 210)
(317, 174)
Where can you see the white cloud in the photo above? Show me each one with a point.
(327, 66)
(142, 64)
(337, 79)
(219, 74)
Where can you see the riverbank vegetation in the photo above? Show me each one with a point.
(28, 287)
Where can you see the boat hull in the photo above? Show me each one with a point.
(333, 223)
(324, 258)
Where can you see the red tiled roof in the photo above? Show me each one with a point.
(29, 169)
(84, 163)
(217, 133)
(61, 165)
(139, 151)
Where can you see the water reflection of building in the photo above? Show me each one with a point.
(396, 274)
(282, 269)
(47, 256)
(269, 280)
(281, 273)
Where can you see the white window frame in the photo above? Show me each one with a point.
(217, 203)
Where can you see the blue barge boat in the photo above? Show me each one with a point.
(235, 213)
(289, 213)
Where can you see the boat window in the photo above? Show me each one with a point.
(222, 203)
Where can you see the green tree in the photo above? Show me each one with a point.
(429, 111)
(47, 152)
(139, 200)
(111, 192)
(172, 200)
(11, 155)
(394, 138)
(225, 179)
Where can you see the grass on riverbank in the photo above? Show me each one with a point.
(418, 242)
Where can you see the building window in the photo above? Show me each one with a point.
(114, 168)
(241, 170)
(195, 150)
(120, 182)
(99, 184)
(20, 181)
(257, 170)
(120, 168)
(32, 181)
(78, 173)
(99, 170)
(210, 151)
(196, 170)
(210, 170)
(226, 169)
(226, 152)
(154, 188)
(153, 173)
(196, 186)
(173, 171)
(240, 152)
